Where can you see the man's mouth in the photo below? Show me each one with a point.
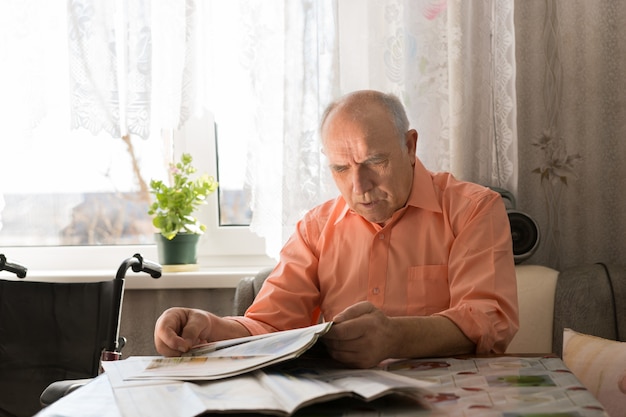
(368, 204)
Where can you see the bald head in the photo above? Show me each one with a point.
(358, 103)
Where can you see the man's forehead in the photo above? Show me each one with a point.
(358, 148)
(367, 125)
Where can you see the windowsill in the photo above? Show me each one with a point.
(90, 264)
(222, 277)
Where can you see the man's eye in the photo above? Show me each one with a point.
(377, 162)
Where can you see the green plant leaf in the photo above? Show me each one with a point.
(173, 206)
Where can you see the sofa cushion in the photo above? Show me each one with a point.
(600, 364)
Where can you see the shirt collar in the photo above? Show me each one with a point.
(423, 193)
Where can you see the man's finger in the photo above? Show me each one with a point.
(170, 344)
(354, 311)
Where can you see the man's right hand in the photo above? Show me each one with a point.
(179, 329)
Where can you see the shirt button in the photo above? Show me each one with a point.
(381, 236)
(375, 291)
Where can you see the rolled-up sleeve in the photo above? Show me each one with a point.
(481, 274)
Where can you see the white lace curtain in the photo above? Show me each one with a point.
(451, 62)
(132, 61)
(141, 64)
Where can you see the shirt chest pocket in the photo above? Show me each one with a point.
(428, 291)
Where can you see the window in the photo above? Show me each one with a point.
(81, 191)
(70, 188)
(65, 190)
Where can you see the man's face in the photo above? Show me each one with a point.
(371, 168)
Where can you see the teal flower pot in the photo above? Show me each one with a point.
(178, 252)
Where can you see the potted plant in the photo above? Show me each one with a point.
(173, 212)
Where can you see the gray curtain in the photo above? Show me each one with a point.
(571, 127)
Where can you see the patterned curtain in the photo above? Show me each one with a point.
(131, 61)
(571, 114)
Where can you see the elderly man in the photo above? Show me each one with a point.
(406, 262)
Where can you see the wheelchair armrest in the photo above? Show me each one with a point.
(60, 389)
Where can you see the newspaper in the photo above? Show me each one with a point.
(224, 359)
(266, 391)
(249, 375)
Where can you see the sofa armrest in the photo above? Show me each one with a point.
(590, 299)
(536, 286)
(247, 289)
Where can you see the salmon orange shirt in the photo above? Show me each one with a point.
(447, 252)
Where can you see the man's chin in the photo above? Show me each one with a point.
(375, 218)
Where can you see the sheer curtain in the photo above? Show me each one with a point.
(287, 174)
(451, 63)
(132, 63)
(139, 65)
(22, 77)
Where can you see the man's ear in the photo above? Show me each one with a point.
(411, 142)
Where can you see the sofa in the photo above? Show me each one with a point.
(590, 299)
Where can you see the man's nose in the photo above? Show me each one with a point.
(361, 181)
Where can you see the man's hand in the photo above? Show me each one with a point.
(361, 336)
(178, 329)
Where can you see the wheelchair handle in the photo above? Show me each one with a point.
(17, 269)
(138, 264)
(152, 268)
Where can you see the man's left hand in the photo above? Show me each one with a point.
(361, 336)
